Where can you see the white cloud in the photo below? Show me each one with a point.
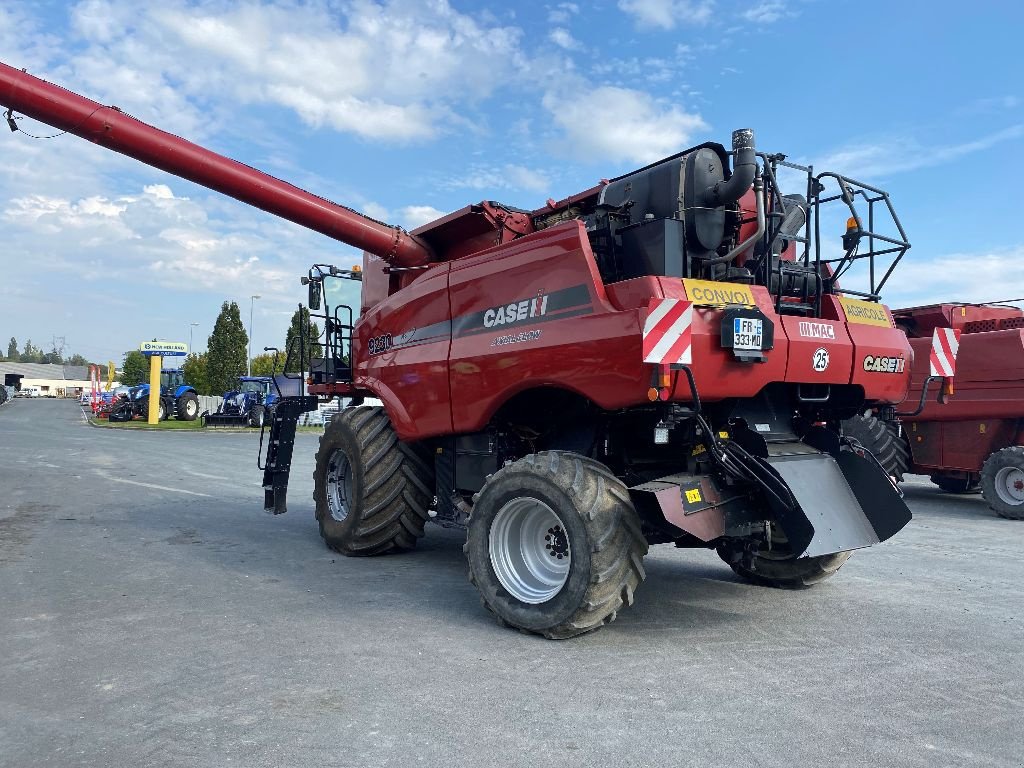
(898, 155)
(23, 42)
(412, 216)
(375, 211)
(666, 14)
(564, 39)
(766, 13)
(976, 277)
(654, 70)
(612, 124)
(132, 236)
(562, 13)
(392, 71)
(509, 176)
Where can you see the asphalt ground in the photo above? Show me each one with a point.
(152, 614)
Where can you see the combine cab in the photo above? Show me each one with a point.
(666, 357)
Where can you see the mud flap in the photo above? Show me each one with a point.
(843, 502)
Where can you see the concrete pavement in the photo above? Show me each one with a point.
(152, 614)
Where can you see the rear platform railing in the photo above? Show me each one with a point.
(874, 234)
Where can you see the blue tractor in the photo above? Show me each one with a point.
(177, 398)
(252, 403)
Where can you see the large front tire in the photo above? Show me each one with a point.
(775, 566)
(554, 545)
(371, 490)
(187, 407)
(257, 416)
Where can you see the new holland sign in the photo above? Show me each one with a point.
(164, 348)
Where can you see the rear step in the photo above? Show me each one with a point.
(279, 450)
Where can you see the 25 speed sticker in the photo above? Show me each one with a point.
(820, 360)
(516, 338)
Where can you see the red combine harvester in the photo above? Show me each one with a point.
(663, 358)
(977, 436)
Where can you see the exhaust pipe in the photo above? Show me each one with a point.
(744, 165)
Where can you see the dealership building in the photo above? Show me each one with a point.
(51, 380)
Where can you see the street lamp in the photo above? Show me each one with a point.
(252, 301)
(190, 327)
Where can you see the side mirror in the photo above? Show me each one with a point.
(314, 294)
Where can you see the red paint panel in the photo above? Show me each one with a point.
(803, 346)
(586, 346)
(411, 379)
(717, 373)
(989, 381)
(957, 445)
(872, 341)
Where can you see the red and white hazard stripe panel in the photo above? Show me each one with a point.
(945, 345)
(667, 332)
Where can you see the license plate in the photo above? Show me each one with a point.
(747, 333)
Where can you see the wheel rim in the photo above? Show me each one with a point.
(529, 550)
(1010, 485)
(339, 486)
(191, 407)
(779, 548)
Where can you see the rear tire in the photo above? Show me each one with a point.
(1002, 482)
(554, 545)
(882, 438)
(776, 567)
(955, 484)
(257, 416)
(371, 490)
(187, 407)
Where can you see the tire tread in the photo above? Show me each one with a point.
(395, 486)
(617, 545)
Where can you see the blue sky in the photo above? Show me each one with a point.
(411, 108)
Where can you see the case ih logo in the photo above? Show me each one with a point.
(879, 364)
(817, 330)
(516, 311)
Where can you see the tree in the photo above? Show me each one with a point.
(263, 365)
(31, 353)
(135, 370)
(12, 349)
(226, 352)
(194, 370)
(312, 345)
(77, 359)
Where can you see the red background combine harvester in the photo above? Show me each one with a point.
(973, 440)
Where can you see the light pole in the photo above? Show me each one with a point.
(190, 327)
(252, 301)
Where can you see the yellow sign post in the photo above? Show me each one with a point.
(156, 351)
(156, 362)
